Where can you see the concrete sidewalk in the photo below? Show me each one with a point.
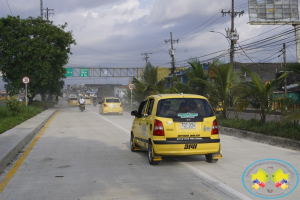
(15, 139)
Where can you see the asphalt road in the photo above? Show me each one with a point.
(84, 155)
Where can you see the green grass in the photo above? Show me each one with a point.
(272, 128)
(10, 119)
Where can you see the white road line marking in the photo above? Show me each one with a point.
(127, 131)
(267, 145)
(206, 176)
(193, 169)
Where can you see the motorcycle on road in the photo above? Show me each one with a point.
(82, 107)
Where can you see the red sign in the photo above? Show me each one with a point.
(25, 80)
(131, 86)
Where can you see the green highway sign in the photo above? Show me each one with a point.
(69, 72)
(84, 72)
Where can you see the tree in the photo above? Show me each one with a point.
(196, 76)
(149, 85)
(221, 86)
(35, 48)
(256, 93)
(178, 86)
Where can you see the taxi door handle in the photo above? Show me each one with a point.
(139, 123)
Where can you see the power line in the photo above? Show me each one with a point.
(9, 7)
(198, 26)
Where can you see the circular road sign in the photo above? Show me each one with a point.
(131, 86)
(25, 80)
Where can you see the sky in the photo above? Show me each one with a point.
(114, 33)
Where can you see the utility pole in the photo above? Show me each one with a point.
(42, 9)
(284, 65)
(171, 52)
(47, 14)
(146, 56)
(296, 26)
(232, 33)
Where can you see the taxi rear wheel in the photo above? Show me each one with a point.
(132, 144)
(150, 155)
(210, 159)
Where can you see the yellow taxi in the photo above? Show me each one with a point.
(219, 107)
(87, 100)
(73, 101)
(111, 105)
(175, 125)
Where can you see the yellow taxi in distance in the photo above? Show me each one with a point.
(219, 107)
(111, 105)
(175, 125)
(87, 100)
(73, 101)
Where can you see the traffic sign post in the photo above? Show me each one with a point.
(25, 80)
(131, 86)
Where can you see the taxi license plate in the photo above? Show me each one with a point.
(188, 125)
(112, 106)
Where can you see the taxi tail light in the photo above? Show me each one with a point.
(214, 129)
(158, 128)
(121, 105)
(105, 105)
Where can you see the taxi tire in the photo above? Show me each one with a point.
(150, 156)
(209, 158)
(131, 144)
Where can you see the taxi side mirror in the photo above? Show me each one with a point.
(134, 113)
(100, 102)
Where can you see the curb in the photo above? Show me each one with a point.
(15, 139)
(258, 137)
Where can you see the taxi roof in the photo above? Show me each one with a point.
(111, 98)
(165, 96)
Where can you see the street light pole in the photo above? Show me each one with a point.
(221, 34)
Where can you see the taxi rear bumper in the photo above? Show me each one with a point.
(181, 148)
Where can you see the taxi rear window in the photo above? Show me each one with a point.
(181, 107)
(86, 98)
(73, 98)
(112, 100)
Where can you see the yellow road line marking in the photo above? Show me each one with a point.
(16, 166)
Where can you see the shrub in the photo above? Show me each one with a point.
(13, 104)
(10, 119)
(268, 128)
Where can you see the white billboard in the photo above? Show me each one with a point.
(273, 12)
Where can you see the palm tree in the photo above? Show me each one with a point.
(178, 87)
(220, 88)
(149, 84)
(295, 114)
(196, 76)
(256, 93)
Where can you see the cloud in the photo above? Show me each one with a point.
(114, 33)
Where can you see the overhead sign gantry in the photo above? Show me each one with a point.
(104, 72)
